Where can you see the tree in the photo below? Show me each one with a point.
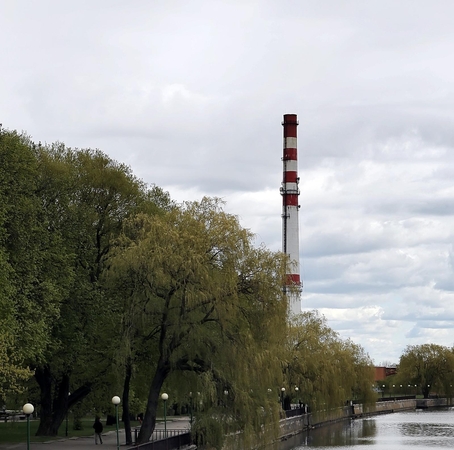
(326, 369)
(32, 277)
(85, 198)
(430, 366)
(13, 371)
(198, 298)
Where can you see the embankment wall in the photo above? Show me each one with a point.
(297, 424)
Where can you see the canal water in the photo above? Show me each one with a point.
(423, 429)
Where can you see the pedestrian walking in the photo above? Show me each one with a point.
(98, 430)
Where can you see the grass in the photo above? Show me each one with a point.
(15, 432)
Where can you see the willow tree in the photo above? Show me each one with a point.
(429, 366)
(326, 369)
(203, 300)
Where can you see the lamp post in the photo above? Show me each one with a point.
(190, 406)
(226, 393)
(116, 401)
(66, 431)
(282, 397)
(28, 409)
(165, 397)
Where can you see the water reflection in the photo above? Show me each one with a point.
(346, 433)
(424, 429)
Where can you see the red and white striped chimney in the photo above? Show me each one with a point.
(290, 207)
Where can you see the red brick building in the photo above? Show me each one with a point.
(382, 372)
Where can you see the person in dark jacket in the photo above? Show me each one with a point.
(98, 430)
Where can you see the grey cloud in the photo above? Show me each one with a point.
(191, 96)
(436, 207)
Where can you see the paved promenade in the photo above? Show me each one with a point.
(109, 439)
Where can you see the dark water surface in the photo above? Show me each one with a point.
(426, 429)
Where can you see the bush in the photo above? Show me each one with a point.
(77, 424)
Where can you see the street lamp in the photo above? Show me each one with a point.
(297, 399)
(190, 396)
(116, 401)
(66, 431)
(28, 409)
(282, 397)
(226, 393)
(165, 397)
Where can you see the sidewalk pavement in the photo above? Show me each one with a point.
(109, 438)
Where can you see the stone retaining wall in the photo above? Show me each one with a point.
(383, 407)
(425, 403)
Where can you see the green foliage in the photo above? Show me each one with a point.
(77, 423)
(12, 372)
(327, 370)
(30, 290)
(209, 431)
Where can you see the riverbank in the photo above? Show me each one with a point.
(299, 423)
(295, 425)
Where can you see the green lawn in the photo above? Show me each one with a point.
(13, 432)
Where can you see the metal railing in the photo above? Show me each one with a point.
(164, 440)
(296, 411)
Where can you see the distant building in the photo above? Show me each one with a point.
(382, 372)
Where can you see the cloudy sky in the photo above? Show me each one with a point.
(191, 94)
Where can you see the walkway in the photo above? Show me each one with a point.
(109, 439)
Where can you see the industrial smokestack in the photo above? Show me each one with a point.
(290, 207)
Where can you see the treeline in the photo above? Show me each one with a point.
(108, 286)
(422, 370)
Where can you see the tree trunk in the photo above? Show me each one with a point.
(60, 404)
(126, 415)
(149, 420)
(55, 408)
(43, 377)
(426, 392)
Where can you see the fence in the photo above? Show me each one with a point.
(12, 415)
(295, 412)
(164, 440)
